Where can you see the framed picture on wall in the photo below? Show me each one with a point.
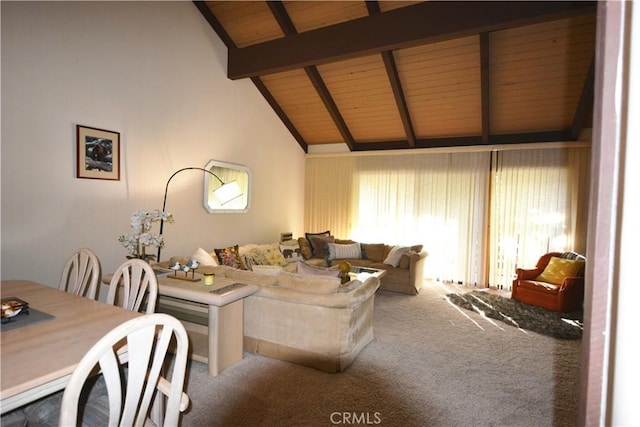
(98, 152)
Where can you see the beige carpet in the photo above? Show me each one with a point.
(431, 364)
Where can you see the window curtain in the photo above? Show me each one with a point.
(437, 200)
(538, 204)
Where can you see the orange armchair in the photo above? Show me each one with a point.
(563, 294)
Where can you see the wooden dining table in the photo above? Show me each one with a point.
(37, 359)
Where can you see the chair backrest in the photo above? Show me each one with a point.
(143, 342)
(81, 274)
(136, 280)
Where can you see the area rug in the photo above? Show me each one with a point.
(521, 315)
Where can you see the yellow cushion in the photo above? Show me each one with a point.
(558, 269)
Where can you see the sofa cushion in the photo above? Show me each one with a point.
(344, 241)
(267, 270)
(304, 268)
(559, 268)
(230, 257)
(319, 245)
(252, 277)
(309, 283)
(344, 251)
(373, 251)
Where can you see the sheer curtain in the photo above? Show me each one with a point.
(438, 200)
(538, 205)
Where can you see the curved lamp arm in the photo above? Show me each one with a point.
(166, 189)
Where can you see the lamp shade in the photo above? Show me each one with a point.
(227, 192)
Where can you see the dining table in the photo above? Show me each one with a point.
(41, 347)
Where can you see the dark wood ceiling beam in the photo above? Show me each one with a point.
(282, 17)
(427, 22)
(224, 36)
(396, 86)
(398, 94)
(332, 108)
(288, 28)
(485, 86)
(466, 141)
(585, 105)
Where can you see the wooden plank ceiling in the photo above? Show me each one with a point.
(380, 75)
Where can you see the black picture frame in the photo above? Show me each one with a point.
(98, 153)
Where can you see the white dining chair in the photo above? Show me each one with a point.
(137, 282)
(81, 274)
(142, 344)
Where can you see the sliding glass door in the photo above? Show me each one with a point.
(478, 214)
(538, 205)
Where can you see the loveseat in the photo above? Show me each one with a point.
(312, 320)
(403, 265)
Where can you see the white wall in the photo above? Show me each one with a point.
(156, 72)
(625, 352)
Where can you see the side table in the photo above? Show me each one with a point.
(225, 301)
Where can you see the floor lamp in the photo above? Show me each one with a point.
(225, 193)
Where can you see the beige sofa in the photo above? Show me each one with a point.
(406, 277)
(306, 319)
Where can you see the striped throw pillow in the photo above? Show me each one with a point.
(350, 251)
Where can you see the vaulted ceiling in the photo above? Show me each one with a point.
(380, 75)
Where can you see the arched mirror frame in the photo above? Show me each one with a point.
(226, 172)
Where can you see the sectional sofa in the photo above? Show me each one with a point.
(403, 272)
(312, 320)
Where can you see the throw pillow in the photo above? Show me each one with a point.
(351, 251)
(305, 247)
(229, 256)
(304, 268)
(244, 249)
(204, 258)
(308, 237)
(272, 253)
(322, 234)
(558, 269)
(253, 257)
(395, 254)
(319, 245)
(291, 250)
(573, 255)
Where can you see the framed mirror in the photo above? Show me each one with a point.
(228, 173)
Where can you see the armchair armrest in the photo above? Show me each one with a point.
(528, 274)
(571, 282)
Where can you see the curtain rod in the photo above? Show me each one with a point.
(467, 149)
